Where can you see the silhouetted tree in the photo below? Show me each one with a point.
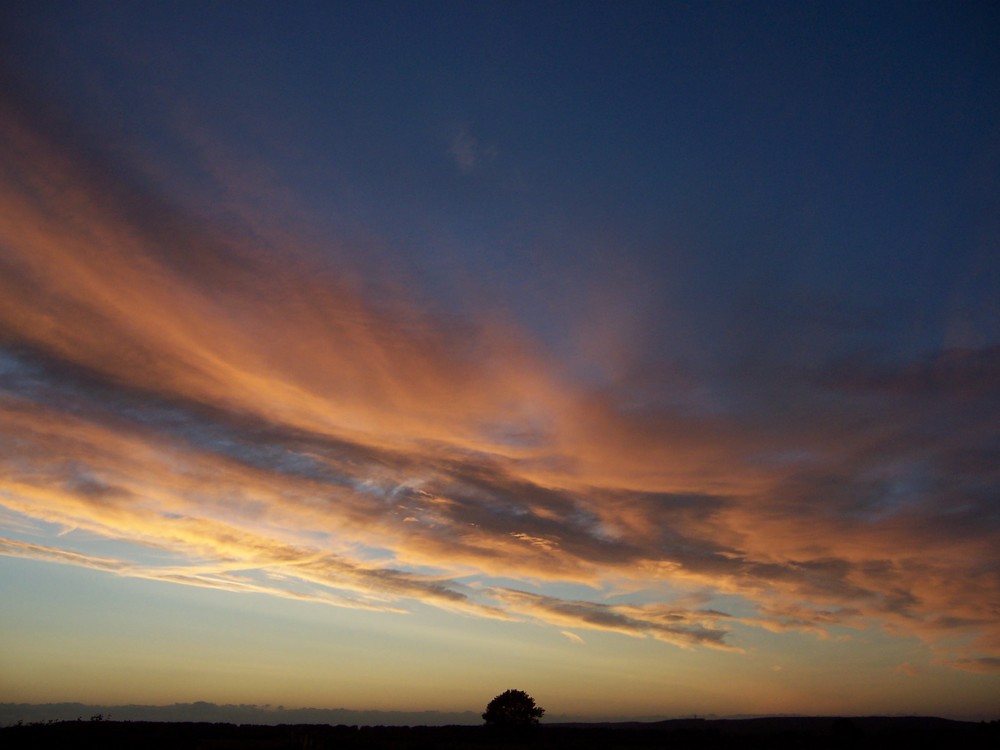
(512, 709)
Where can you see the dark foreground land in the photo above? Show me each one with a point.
(813, 733)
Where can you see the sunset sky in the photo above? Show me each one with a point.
(641, 356)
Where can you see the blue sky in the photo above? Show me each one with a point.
(638, 344)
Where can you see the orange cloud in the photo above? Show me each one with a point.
(275, 422)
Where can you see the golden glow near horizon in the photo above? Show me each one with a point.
(306, 481)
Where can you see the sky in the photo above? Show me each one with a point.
(641, 356)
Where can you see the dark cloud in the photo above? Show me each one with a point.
(676, 626)
(953, 374)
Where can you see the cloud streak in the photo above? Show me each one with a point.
(273, 425)
(680, 628)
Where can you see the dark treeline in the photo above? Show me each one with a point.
(229, 713)
(750, 734)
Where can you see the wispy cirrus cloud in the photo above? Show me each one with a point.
(276, 426)
(468, 152)
(984, 664)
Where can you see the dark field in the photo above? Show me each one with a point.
(748, 734)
